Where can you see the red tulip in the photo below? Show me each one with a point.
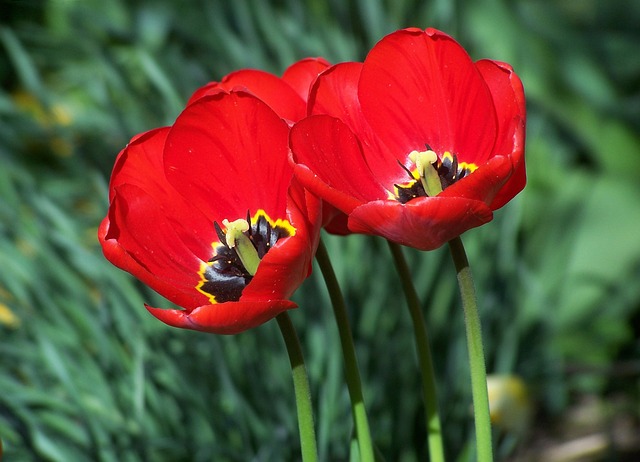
(173, 194)
(418, 95)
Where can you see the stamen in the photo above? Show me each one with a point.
(219, 231)
(406, 169)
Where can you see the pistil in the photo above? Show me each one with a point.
(237, 239)
(425, 165)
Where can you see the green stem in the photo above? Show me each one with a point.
(354, 384)
(301, 387)
(476, 353)
(434, 430)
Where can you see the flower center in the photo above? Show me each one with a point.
(236, 256)
(432, 174)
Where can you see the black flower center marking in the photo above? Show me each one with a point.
(224, 276)
(449, 171)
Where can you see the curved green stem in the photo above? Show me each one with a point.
(301, 386)
(354, 384)
(476, 352)
(434, 429)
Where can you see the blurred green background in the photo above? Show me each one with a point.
(87, 375)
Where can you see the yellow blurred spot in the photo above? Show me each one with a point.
(26, 248)
(8, 318)
(30, 105)
(61, 147)
(509, 402)
(56, 114)
(50, 118)
(61, 115)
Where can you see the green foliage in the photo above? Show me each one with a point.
(86, 374)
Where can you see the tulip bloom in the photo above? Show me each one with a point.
(417, 144)
(207, 213)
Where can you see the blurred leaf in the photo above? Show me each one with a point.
(90, 375)
(21, 60)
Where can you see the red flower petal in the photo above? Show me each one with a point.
(330, 163)
(301, 74)
(424, 223)
(421, 87)
(335, 93)
(223, 318)
(484, 183)
(138, 188)
(140, 164)
(336, 222)
(142, 154)
(119, 256)
(211, 88)
(154, 253)
(273, 90)
(508, 97)
(228, 154)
